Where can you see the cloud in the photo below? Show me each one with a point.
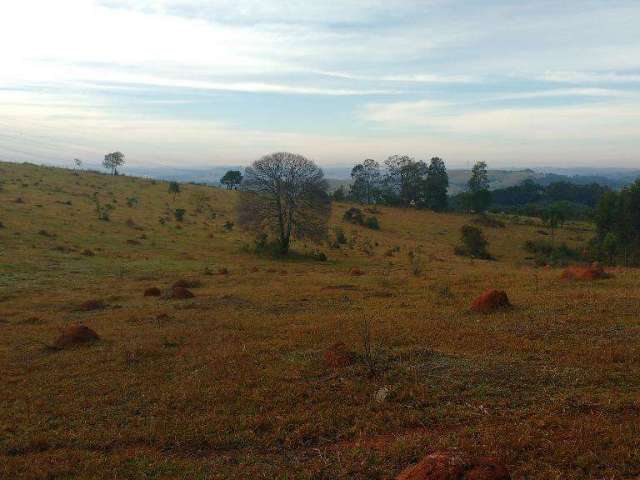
(335, 79)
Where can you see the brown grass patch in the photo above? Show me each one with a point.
(91, 305)
(592, 272)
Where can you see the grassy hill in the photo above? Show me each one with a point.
(233, 383)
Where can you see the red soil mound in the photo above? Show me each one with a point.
(187, 283)
(75, 335)
(356, 272)
(90, 305)
(178, 293)
(592, 272)
(444, 466)
(490, 301)
(254, 269)
(337, 355)
(223, 271)
(152, 292)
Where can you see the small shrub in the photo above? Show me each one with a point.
(416, 266)
(354, 215)
(179, 214)
(341, 238)
(228, 226)
(473, 243)
(546, 253)
(132, 202)
(319, 256)
(372, 222)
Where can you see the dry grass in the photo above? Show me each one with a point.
(233, 384)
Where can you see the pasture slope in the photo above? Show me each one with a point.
(234, 382)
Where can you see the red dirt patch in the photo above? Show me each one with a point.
(152, 292)
(178, 293)
(187, 283)
(592, 272)
(490, 301)
(91, 305)
(75, 335)
(356, 272)
(223, 271)
(445, 466)
(337, 356)
(254, 269)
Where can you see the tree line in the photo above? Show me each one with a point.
(405, 181)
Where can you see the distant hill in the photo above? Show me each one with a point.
(338, 175)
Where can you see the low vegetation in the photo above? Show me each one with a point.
(206, 360)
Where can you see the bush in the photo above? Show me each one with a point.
(354, 215)
(341, 238)
(372, 222)
(228, 226)
(546, 253)
(473, 243)
(179, 214)
(319, 256)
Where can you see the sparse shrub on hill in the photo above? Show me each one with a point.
(228, 226)
(318, 256)
(174, 189)
(285, 195)
(546, 253)
(179, 214)
(354, 215)
(102, 211)
(132, 202)
(473, 243)
(372, 223)
(341, 238)
(200, 201)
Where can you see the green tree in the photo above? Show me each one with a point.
(174, 189)
(406, 177)
(339, 195)
(610, 246)
(436, 185)
(554, 216)
(112, 161)
(478, 186)
(232, 179)
(473, 243)
(366, 182)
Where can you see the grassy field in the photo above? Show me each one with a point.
(233, 383)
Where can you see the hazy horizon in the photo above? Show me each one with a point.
(195, 84)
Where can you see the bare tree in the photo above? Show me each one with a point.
(285, 194)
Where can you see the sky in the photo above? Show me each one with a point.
(196, 83)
